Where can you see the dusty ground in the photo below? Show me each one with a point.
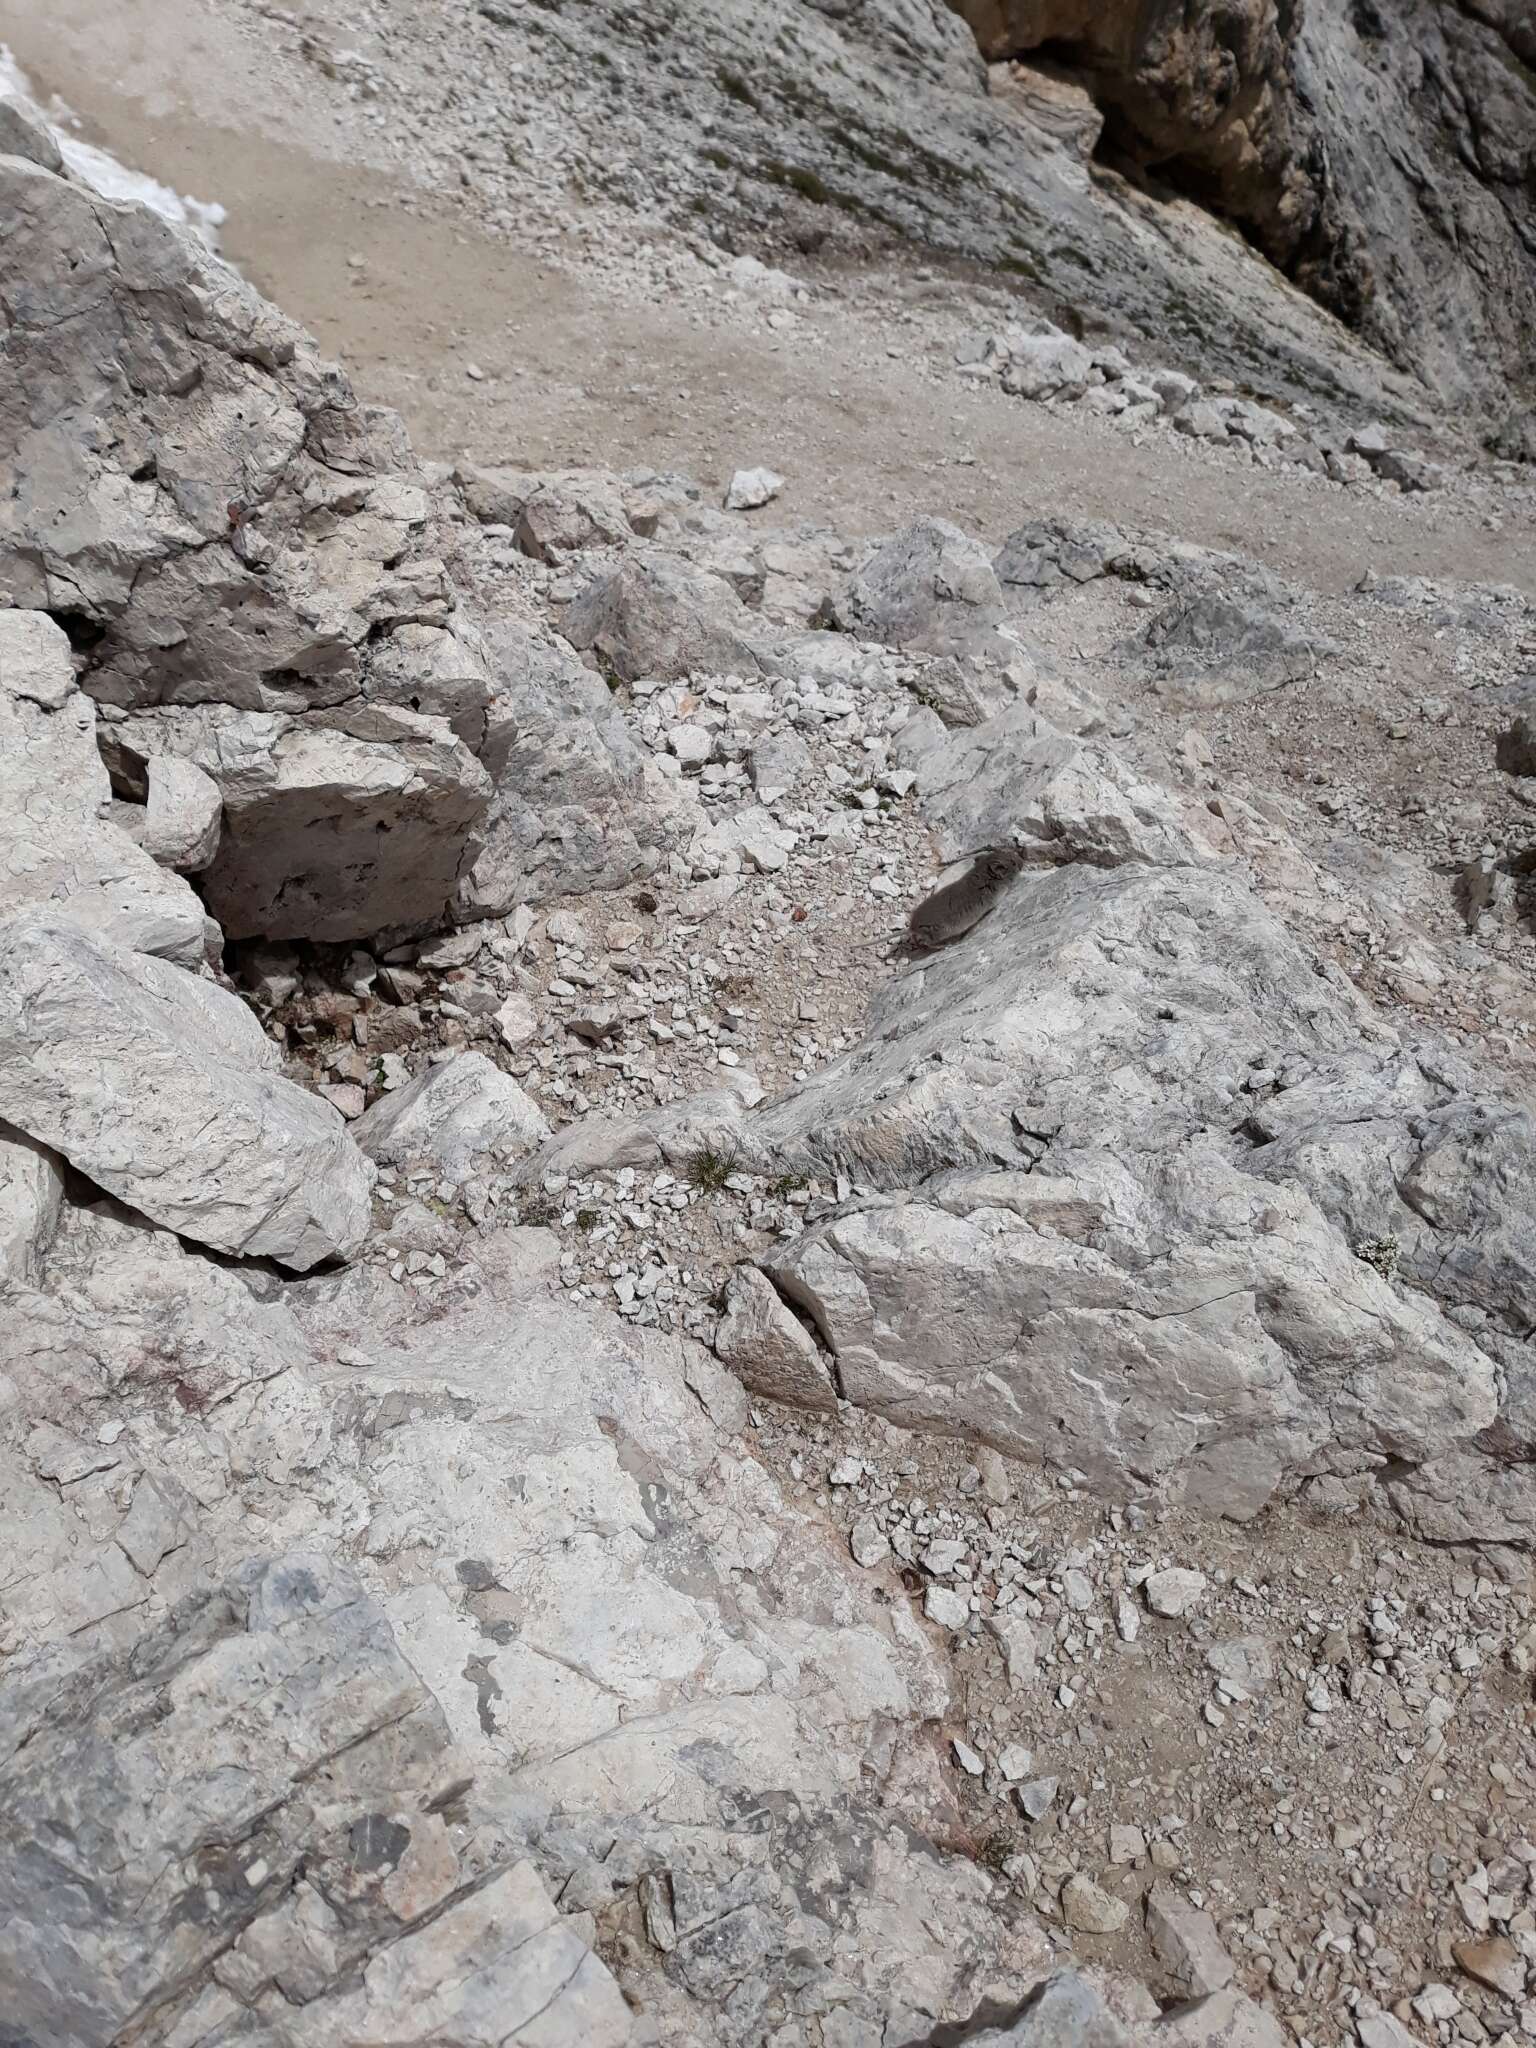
(597, 361)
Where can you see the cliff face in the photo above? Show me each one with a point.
(1388, 165)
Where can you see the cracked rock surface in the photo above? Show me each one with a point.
(758, 1285)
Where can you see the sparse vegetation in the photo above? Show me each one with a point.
(710, 1168)
(1380, 1252)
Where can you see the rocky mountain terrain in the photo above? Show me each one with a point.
(766, 1278)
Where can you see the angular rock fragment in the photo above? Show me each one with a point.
(184, 815)
(31, 1190)
(1186, 1942)
(573, 808)
(657, 616)
(767, 1349)
(932, 589)
(452, 1113)
(161, 1088)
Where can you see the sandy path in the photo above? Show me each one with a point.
(577, 374)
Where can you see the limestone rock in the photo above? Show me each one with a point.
(450, 1114)
(1016, 782)
(1089, 1909)
(1224, 2020)
(238, 539)
(1185, 1942)
(31, 1190)
(219, 1722)
(572, 808)
(161, 1088)
(1048, 366)
(1173, 1592)
(749, 489)
(931, 589)
(57, 843)
(767, 1349)
(995, 1286)
(334, 826)
(1245, 1663)
(185, 812)
(1204, 651)
(1321, 133)
(656, 616)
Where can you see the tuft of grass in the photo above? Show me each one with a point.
(711, 1167)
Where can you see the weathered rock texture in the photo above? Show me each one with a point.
(1381, 157)
(59, 844)
(585, 1632)
(1122, 1145)
(272, 1912)
(161, 1088)
(233, 543)
(250, 567)
(866, 124)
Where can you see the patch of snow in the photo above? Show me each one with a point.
(101, 171)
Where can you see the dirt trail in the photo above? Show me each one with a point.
(577, 371)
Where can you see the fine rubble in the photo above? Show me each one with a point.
(738, 1302)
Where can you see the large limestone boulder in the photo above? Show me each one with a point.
(58, 844)
(1147, 1193)
(570, 1571)
(933, 589)
(166, 1869)
(655, 615)
(574, 808)
(234, 543)
(1017, 782)
(461, 1110)
(162, 1088)
(399, 792)
(1011, 1309)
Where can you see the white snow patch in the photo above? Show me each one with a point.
(102, 172)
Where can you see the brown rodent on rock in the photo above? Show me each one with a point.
(953, 909)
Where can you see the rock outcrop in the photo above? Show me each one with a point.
(61, 846)
(1122, 1149)
(163, 1089)
(232, 542)
(872, 126)
(1381, 158)
(420, 1634)
(555, 1662)
(223, 1900)
(251, 569)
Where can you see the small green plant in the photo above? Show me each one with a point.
(587, 1219)
(785, 1185)
(1380, 1252)
(710, 1168)
(539, 1206)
